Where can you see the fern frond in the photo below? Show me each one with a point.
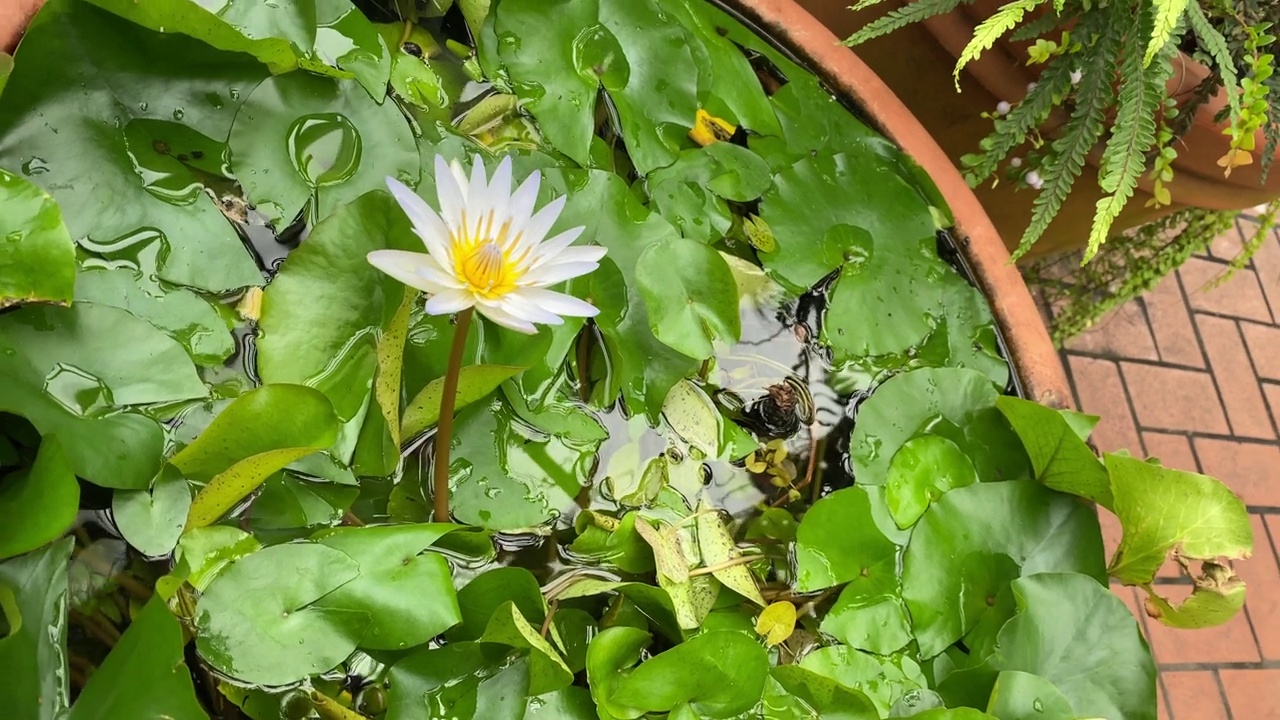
(992, 29)
(1038, 27)
(1093, 96)
(864, 4)
(1168, 14)
(1215, 44)
(914, 12)
(1124, 160)
(1012, 130)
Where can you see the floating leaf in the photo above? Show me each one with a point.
(1059, 456)
(718, 549)
(720, 674)
(776, 622)
(346, 39)
(408, 594)
(690, 294)
(883, 680)
(1023, 696)
(654, 602)
(974, 540)
(152, 521)
(1162, 509)
(839, 542)
(38, 256)
(810, 695)
(287, 502)
(205, 552)
(258, 622)
(38, 504)
(317, 326)
(876, 623)
(144, 675)
(338, 144)
(179, 313)
(693, 417)
(609, 656)
(93, 117)
(620, 546)
(475, 382)
(691, 192)
(922, 470)
(257, 434)
(484, 595)
(33, 653)
(459, 678)
(547, 670)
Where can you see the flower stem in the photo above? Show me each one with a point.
(444, 427)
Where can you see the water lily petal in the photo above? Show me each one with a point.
(581, 253)
(451, 195)
(554, 273)
(552, 246)
(520, 307)
(427, 225)
(417, 270)
(449, 301)
(498, 194)
(559, 303)
(496, 313)
(536, 229)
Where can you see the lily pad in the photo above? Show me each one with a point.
(922, 470)
(475, 382)
(33, 654)
(38, 256)
(479, 599)
(690, 294)
(547, 670)
(882, 679)
(1059, 456)
(807, 694)
(152, 521)
(86, 75)
(839, 542)
(719, 674)
(38, 504)
(258, 621)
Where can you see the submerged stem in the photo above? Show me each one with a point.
(444, 427)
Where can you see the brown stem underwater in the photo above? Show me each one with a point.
(444, 427)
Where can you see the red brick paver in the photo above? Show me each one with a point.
(1191, 374)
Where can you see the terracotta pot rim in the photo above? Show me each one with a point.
(1035, 361)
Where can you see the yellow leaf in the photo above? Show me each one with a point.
(708, 128)
(250, 305)
(776, 622)
(1233, 159)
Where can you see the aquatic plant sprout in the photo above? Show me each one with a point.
(488, 249)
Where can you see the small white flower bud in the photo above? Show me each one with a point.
(1015, 162)
(1033, 179)
(1003, 108)
(1075, 77)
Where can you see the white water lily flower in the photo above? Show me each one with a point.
(488, 249)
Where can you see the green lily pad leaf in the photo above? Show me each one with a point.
(152, 521)
(571, 630)
(259, 433)
(975, 539)
(571, 703)
(1216, 597)
(317, 325)
(38, 256)
(918, 702)
(609, 656)
(462, 679)
(287, 502)
(481, 598)
(625, 46)
(205, 552)
(718, 548)
(922, 470)
(33, 654)
(619, 545)
(415, 78)
(1059, 456)
(91, 358)
(258, 621)
(692, 191)
(720, 674)
(811, 118)
(280, 35)
(475, 382)
(1073, 632)
(692, 415)
(547, 670)
(386, 388)
(39, 503)
(506, 475)
(953, 403)
(6, 68)
(808, 695)
(883, 680)
(83, 115)
(339, 144)
(654, 602)
(407, 593)
(346, 39)
(179, 313)
(145, 675)
(1162, 509)
(960, 713)
(690, 294)
(876, 623)
(838, 541)
(1023, 696)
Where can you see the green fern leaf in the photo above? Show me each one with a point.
(992, 29)
(1093, 96)
(1058, 6)
(1125, 158)
(1215, 44)
(1037, 27)
(914, 12)
(1168, 15)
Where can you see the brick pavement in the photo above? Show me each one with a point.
(1192, 376)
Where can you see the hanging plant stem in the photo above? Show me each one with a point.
(444, 427)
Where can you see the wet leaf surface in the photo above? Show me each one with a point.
(33, 654)
(37, 255)
(38, 504)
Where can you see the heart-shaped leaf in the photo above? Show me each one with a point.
(152, 520)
